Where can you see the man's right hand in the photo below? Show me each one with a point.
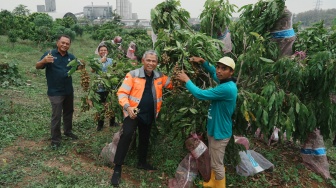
(48, 59)
(183, 76)
(131, 113)
(103, 59)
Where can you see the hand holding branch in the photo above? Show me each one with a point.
(182, 76)
(196, 59)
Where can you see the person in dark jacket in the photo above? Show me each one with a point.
(141, 89)
(60, 89)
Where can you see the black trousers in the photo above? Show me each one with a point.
(103, 96)
(129, 128)
(61, 106)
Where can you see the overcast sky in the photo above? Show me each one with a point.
(142, 7)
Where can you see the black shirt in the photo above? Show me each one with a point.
(58, 81)
(146, 105)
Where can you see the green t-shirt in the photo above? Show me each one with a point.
(223, 103)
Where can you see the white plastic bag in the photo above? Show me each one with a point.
(314, 154)
(108, 152)
(252, 163)
(226, 39)
(185, 174)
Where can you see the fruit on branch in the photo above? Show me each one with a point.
(176, 82)
(96, 117)
(117, 40)
(165, 58)
(109, 113)
(85, 80)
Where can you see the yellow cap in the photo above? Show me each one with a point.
(228, 62)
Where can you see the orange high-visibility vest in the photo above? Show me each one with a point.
(133, 86)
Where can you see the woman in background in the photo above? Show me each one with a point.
(105, 63)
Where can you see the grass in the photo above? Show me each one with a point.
(27, 160)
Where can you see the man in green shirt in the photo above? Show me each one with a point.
(223, 103)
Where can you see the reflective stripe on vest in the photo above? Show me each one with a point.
(137, 100)
(167, 82)
(120, 96)
(126, 87)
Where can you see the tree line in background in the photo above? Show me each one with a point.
(33, 26)
(37, 27)
(311, 17)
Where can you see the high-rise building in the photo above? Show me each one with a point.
(134, 16)
(124, 9)
(50, 5)
(97, 11)
(40, 8)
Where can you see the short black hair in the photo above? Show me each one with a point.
(66, 36)
(102, 45)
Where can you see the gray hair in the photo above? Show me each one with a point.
(150, 52)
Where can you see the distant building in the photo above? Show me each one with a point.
(134, 16)
(40, 8)
(194, 21)
(50, 5)
(97, 12)
(132, 22)
(128, 22)
(145, 23)
(124, 9)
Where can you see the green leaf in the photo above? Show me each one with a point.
(193, 110)
(72, 70)
(271, 101)
(297, 108)
(107, 82)
(72, 63)
(183, 109)
(178, 45)
(266, 60)
(265, 117)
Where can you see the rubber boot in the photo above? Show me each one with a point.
(115, 180)
(221, 183)
(211, 182)
(113, 123)
(100, 125)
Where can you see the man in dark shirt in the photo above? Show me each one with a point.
(60, 89)
(142, 89)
